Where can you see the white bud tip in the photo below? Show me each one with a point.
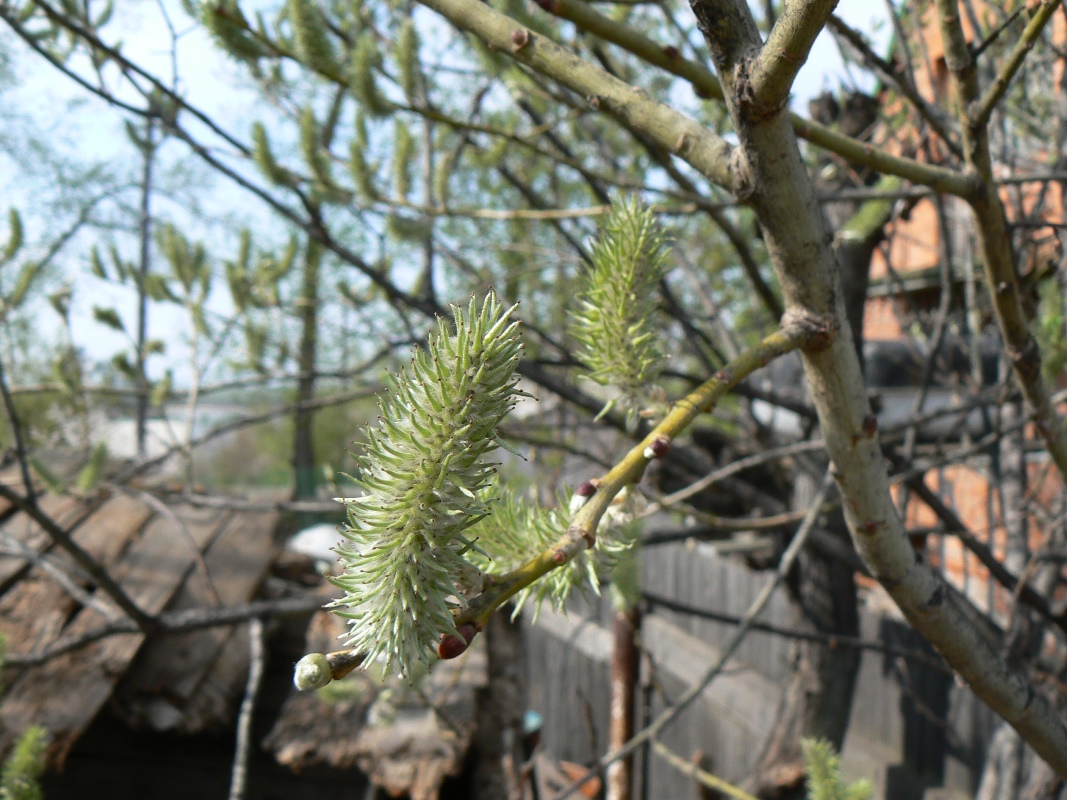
(577, 501)
(312, 672)
(649, 453)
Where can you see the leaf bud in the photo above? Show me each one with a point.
(660, 446)
(452, 645)
(312, 672)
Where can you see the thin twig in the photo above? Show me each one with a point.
(85, 560)
(667, 717)
(171, 622)
(48, 565)
(713, 782)
(830, 639)
(20, 441)
(256, 657)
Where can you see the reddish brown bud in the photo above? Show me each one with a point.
(551, 6)
(660, 446)
(468, 632)
(701, 93)
(452, 645)
(587, 489)
(520, 38)
(671, 52)
(870, 424)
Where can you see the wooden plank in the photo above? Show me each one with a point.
(738, 694)
(64, 510)
(66, 693)
(34, 611)
(162, 687)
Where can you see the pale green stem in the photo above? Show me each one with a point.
(581, 533)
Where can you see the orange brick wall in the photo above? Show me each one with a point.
(966, 488)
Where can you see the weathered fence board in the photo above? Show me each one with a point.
(898, 708)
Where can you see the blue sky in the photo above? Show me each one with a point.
(84, 129)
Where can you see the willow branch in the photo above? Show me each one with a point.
(581, 534)
(994, 234)
(705, 778)
(932, 115)
(680, 135)
(796, 239)
(786, 51)
(830, 639)
(1027, 40)
(170, 622)
(243, 746)
(706, 84)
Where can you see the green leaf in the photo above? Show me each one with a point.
(364, 86)
(264, 159)
(161, 390)
(121, 362)
(109, 317)
(408, 229)
(200, 323)
(311, 147)
(824, 774)
(96, 264)
(104, 17)
(157, 288)
(256, 339)
(93, 471)
(403, 153)
(60, 301)
(228, 25)
(14, 240)
(122, 269)
(407, 58)
(311, 36)
(154, 347)
(29, 273)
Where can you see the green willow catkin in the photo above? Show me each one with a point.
(421, 472)
(614, 318)
(311, 36)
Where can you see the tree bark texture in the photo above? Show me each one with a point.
(775, 182)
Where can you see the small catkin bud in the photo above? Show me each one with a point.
(660, 446)
(312, 672)
(581, 496)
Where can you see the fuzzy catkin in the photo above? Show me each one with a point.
(613, 319)
(421, 472)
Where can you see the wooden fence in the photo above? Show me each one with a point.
(913, 730)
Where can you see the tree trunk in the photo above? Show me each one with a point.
(624, 671)
(303, 447)
(501, 705)
(148, 150)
